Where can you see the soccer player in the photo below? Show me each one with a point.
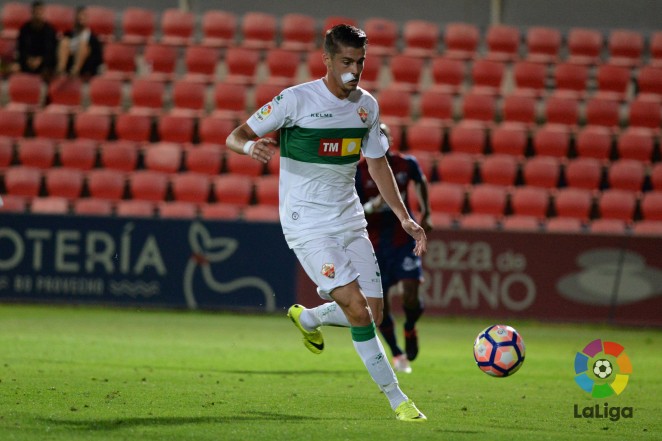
(325, 125)
(394, 248)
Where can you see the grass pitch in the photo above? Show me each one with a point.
(105, 374)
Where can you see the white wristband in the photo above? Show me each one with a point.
(248, 146)
(369, 207)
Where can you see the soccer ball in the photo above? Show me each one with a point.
(499, 350)
(602, 368)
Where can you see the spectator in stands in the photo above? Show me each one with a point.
(79, 51)
(36, 45)
(398, 264)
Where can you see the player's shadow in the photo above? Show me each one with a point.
(120, 423)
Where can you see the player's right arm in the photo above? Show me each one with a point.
(241, 141)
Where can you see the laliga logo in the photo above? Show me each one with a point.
(207, 250)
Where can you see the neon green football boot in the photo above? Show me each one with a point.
(407, 411)
(313, 340)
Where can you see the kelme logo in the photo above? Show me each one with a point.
(602, 368)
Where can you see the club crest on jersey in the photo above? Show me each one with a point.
(363, 113)
(339, 146)
(329, 270)
(264, 112)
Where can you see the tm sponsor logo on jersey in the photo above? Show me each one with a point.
(339, 146)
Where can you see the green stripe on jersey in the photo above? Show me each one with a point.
(322, 146)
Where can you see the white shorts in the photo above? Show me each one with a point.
(337, 260)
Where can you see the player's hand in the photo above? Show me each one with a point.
(426, 223)
(377, 202)
(417, 232)
(263, 150)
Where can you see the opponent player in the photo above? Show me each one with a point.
(324, 126)
(398, 264)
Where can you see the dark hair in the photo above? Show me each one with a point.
(344, 35)
(36, 5)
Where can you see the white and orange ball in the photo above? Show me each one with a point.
(499, 350)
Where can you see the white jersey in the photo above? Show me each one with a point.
(321, 141)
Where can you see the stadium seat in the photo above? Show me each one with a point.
(135, 208)
(283, 66)
(436, 107)
(94, 126)
(543, 44)
(119, 155)
(542, 171)
(101, 21)
(562, 110)
(78, 153)
(468, 137)
(299, 33)
(573, 202)
(14, 204)
(264, 93)
(51, 125)
(215, 130)
(635, 143)
(530, 79)
(520, 223)
(333, 20)
(477, 221)
(446, 197)
(530, 201)
(241, 64)
(594, 142)
(617, 204)
(233, 189)
(656, 176)
(159, 62)
(13, 123)
(64, 182)
(273, 166)
(220, 211)
(188, 99)
(584, 172)
(49, 205)
(448, 74)
(518, 108)
(147, 97)
(176, 128)
(426, 160)
(315, 65)
(423, 136)
(176, 210)
(608, 226)
(570, 80)
(61, 17)
(406, 72)
(138, 25)
(502, 43)
(105, 95)
(148, 185)
(498, 169)
(647, 228)
(163, 157)
(14, 15)
(261, 213)
(603, 112)
(563, 225)
(201, 63)
(36, 152)
(266, 190)
(626, 174)
(456, 168)
(420, 38)
(218, 28)
(259, 30)
(613, 82)
(6, 152)
(243, 165)
(106, 184)
(649, 81)
(651, 205)
(23, 181)
(25, 92)
(191, 187)
(177, 27)
(551, 140)
(584, 46)
(120, 61)
(64, 95)
(487, 76)
(625, 47)
(461, 40)
(488, 199)
(206, 159)
(395, 106)
(92, 207)
(384, 35)
(133, 127)
(645, 113)
(442, 221)
(230, 101)
(509, 138)
(479, 108)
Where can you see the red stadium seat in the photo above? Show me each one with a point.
(218, 28)
(177, 27)
(617, 204)
(101, 21)
(299, 32)
(188, 98)
(395, 106)
(530, 79)
(105, 95)
(25, 92)
(542, 171)
(584, 172)
(159, 62)
(65, 95)
(594, 142)
(61, 17)
(656, 176)
(456, 168)
(333, 20)
(14, 204)
(420, 38)
(266, 190)
(106, 184)
(562, 110)
(264, 93)
(509, 138)
(607, 226)
(613, 82)
(148, 185)
(163, 157)
(177, 210)
(92, 207)
(13, 16)
(259, 30)
(551, 140)
(283, 65)
(220, 211)
(488, 199)
(147, 97)
(242, 64)
(315, 65)
(636, 143)
(261, 213)
(543, 44)
(584, 46)
(119, 155)
(233, 189)
(51, 125)
(94, 126)
(570, 80)
(191, 187)
(573, 202)
(467, 137)
(201, 63)
(13, 123)
(649, 81)
(461, 40)
(530, 201)
(448, 74)
(215, 130)
(520, 223)
(36, 152)
(446, 198)
(479, 107)
(487, 76)
(502, 42)
(6, 152)
(120, 61)
(626, 174)
(64, 182)
(498, 169)
(206, 159)
(133, 127)
(230, 101)
(645, 113)
(384, 35)
(563, 225)
(423, 136)
(23, 181)
(49, 205)
(135, 208)
(647, 228)
(477, 221)
(243, 165)
(651, 205)
(78, 153)
(519, 109)
(138, 25)
(436, 107)
(406, 71)
(175, 128)
(625, 47)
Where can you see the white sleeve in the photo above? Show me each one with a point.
(375, 143)
(273, 115)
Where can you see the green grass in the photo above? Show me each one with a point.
(88, 373)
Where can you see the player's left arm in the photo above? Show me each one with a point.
(381, 173)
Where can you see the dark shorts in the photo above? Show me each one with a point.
(398, 263)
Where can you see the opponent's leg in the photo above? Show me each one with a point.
(413, 308)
